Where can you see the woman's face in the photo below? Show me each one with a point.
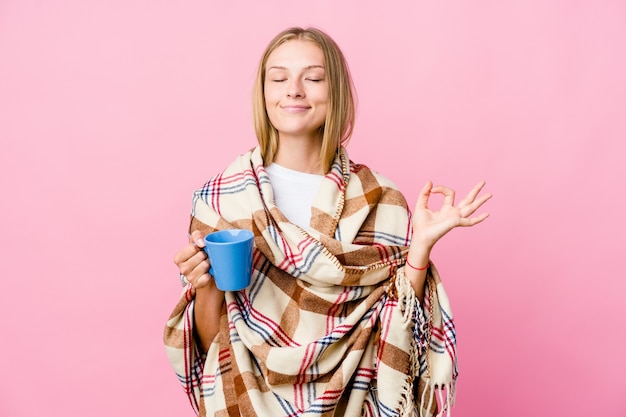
(296, 90)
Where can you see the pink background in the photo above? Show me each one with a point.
(113, 112)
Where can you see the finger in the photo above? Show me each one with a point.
(448, 194)
(200, 275)
(422, 199)
(471, 196)
(185, 254)
(468, 222)
(202, 281)
(469, 209)
(194, 271)
(196, 237)
(188, 267)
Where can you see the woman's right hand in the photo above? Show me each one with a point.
(192, 261)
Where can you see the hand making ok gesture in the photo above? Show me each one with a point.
(429, 225)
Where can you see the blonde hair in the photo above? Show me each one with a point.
(337, 128)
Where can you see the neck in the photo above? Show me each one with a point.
(300, 154)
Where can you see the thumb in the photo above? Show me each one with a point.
(197, 238)
(422, 199)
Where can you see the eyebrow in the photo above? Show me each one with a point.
(306, 68)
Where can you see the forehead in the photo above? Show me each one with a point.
(296, 54)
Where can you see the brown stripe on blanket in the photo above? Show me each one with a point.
(394, 357)
(308, 301)
(393, 197)
(321, 220)
(352, 278)
(354, 205)
(291, 315)
(248, 379)
(174, 338)
(333, 246)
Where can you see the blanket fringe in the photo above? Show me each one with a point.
(409, 305)
(436, 396)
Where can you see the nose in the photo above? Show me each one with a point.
(294, 89)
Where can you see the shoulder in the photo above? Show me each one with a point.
(369, 175)
(235, 177)
(374, 186)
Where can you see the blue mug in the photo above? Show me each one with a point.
(230, 254)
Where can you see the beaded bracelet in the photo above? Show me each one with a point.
(417, 269)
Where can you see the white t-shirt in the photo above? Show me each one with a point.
(294, 192)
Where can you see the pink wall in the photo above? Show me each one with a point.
(112, 112)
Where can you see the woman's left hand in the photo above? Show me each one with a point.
(429, 226)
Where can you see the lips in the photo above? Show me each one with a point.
(295, 108)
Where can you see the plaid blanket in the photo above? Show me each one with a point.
(330, 325)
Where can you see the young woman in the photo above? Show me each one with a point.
(345, 314)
